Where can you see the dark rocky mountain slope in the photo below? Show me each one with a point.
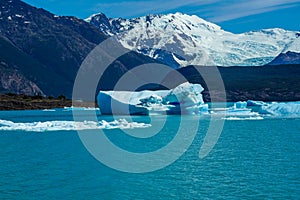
(40, 53)
(286, 58)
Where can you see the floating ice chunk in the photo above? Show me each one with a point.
(69, 125)
(241, 112)
(291, 108)
(243, 118)
(204, 109)
(240, 105)
(186, 99)
(90, 108)
(186, 94)
(66, 108)
(49, 110)
(79, 108)
(239, 109)
(255, 109)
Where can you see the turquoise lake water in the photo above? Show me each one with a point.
(253, 159)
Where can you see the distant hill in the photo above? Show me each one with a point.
(286, 58)
(264, 83)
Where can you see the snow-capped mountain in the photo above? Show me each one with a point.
(180, 40)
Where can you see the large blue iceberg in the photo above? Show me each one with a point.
(184, 99)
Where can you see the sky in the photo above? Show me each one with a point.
(232, 15)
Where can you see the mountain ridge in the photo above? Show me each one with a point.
(40, 54)
(194, 41)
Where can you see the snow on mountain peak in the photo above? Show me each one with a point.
(180, 39)
(97, 15)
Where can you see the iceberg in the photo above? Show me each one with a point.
(184, 99)
(258, 110)
(275, 108)
(284, 109)
(50, 126)
(239, 110)
(240, 105)
(126, 102)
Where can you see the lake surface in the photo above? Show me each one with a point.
(252, 159)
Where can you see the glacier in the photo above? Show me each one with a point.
(179, 40)
(184, 99)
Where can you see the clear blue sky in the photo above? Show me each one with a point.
(232, 15)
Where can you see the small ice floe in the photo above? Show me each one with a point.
(243, 118)
(71, 108)
(47, 126)
(49, 110)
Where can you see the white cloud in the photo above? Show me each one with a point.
(213, 10)
(134, 8)
(248, 8)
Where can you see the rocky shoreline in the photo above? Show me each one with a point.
(24, 102)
